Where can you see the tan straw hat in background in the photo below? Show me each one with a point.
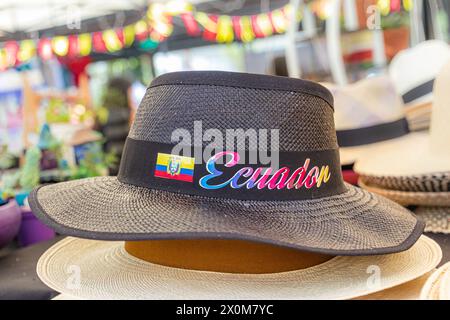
(413, 72)
(437, 219)
(367, 115)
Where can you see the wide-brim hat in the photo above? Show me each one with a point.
(368, 114)
(437, 286)
(410, 290)
(110, 272)
(424, 155)
(161, 195)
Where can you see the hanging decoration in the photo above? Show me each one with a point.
(387, 7)
(60, 45)
(157, 26)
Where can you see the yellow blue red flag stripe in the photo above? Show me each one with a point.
(174, 167)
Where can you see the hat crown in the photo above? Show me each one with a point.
(440, 118)
(366, 103)
(415, 66)
(301, 110)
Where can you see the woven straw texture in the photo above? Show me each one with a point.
(409, 198)
(408, 291)
(355, 222)
(109, 272)
(436, 182)
(437, 219)
(305, 122)
(437, 286)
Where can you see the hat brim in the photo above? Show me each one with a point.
(407, 291)
(409, 198)
(431, 183)
(405, 157)
(109, 272)
(437, 286)
(350, 155)
(355, 222)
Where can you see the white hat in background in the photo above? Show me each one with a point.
(422, 159)
(111, 272)
(367, 114)
(413, 72)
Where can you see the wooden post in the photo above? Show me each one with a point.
(30, 111)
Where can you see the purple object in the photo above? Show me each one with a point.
(48, 160)
(10, 219)
(32, 230)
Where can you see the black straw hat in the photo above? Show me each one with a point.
(160, 194)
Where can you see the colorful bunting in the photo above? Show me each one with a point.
(60, 45)
(85, 44)
(158, 26)
(190, 24)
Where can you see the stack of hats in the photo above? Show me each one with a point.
(413, 72)
(368, 115)
(416, 172)
(197, 222)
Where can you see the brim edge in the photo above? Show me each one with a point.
(113, 236)
(437, 260)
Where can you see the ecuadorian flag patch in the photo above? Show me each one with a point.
(169, 166)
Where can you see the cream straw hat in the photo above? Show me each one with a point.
(368, 114)
(413, 72)
(437, 286)
(408, 291)
(424, 157)
(108, 271)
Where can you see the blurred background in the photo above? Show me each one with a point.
(72, 72)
